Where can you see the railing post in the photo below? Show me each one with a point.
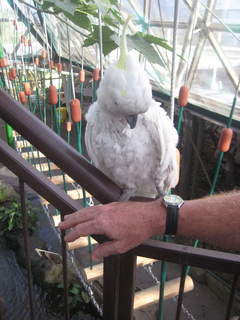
(27, 249)
(110, 287)
(65, 274)
(119, 287)
(126, 286)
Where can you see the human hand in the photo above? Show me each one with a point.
(126, 224)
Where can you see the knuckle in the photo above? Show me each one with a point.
(120, 248)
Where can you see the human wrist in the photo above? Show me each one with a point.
(173, 203)
(161, 214)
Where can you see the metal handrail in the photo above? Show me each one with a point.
(119, 270)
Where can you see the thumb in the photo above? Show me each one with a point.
(104, 250)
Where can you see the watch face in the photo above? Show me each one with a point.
(172, 199)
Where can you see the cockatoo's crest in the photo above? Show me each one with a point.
(125, 90)
(121, 64)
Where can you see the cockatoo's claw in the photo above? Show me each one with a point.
(161, 193)
(127, 194)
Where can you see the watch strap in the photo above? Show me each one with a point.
(172, 220)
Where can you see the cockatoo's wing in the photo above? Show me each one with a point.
(96, 137)
(91, 132)
(165, 137)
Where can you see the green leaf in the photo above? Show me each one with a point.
(64, 5)
(74, 290)
(60, 285)
(103, 6)
(80, 19)
(158, 41)
(78, 298)
(114, 2)
(9, 211)
(16, 205)
(47, 5)
(19, 224)
(117, 15)
(145, 48)
(152, 39)
(108, 44)
(109, 21)
(86, 297)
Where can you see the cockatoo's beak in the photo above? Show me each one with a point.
(132, 120)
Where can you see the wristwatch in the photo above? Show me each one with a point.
(172, 203)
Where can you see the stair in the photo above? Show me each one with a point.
(150, 296)
(143, 298)
(97, 271)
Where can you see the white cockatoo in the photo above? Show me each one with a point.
(128, 135)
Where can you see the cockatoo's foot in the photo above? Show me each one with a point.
(161, 193)
(127, 194)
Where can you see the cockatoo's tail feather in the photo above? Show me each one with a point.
(121, 64)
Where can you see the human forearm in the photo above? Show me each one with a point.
(214, 219)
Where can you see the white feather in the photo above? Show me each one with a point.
(141, 160)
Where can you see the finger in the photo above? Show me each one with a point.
(107, 249)
(83, 230)
(71, 220)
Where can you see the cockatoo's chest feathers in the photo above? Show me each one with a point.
(124, 151)
(133, 158)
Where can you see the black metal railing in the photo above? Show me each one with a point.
(119, 270)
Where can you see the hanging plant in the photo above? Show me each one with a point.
(81, 13)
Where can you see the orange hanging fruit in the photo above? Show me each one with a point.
(5, 62)
(53, 95)
(59, 67)
(82, 76)
(51, 64)
(75, 108)
(225, 139)
(68, 126)
(13, 72)
(44, 54)
(22, 96)
(183, 96)
(96, 74)
(10, 76)
(37, 62)
(27, 88)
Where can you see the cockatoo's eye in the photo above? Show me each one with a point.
(115, 103)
